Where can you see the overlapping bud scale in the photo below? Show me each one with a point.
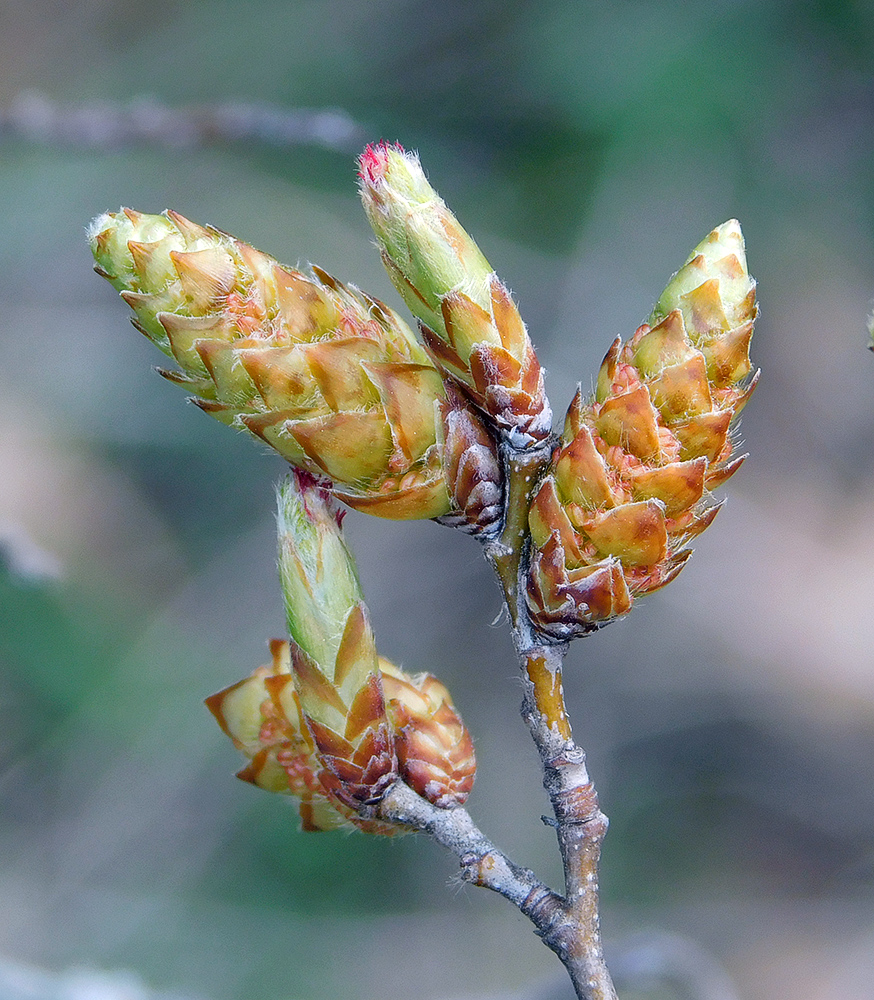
(330, 377)
(470, 323)
(263, 717)
(630, 485)
(434, 748)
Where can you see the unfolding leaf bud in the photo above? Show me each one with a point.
(329, 721)
(316, 569)
(334, 661)
(434, 748)
(331, 378)
(629, 487)
(262, 715)
(470, 323)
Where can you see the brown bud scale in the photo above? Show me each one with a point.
(629, 485)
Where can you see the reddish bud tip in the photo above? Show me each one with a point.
(304, 480)
(308, 486)
(373, 161)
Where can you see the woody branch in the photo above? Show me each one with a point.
(569, 925)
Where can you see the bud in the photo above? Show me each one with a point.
(334, 661)
(329, 721)
(262, 716)
(473, 472)
(629, 488)
(434, 748)
(471, 325)
(331, 378)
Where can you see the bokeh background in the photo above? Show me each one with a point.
(729, 720)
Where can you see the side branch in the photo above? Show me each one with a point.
(575, 932)
(482, 863)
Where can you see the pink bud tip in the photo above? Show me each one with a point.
(307, 484)
(304, 480)
(373, 161)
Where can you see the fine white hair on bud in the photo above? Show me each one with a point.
(470, 324)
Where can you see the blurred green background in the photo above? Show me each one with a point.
(729, 720)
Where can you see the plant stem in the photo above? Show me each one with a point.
(569, 924)
(571, 928)
(482, 863)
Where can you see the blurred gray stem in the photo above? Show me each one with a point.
(35, 117)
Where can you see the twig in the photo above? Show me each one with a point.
(568, 924)
(482, 863)
(571, 929)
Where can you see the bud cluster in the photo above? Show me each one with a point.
(445, 425)
(263, 716)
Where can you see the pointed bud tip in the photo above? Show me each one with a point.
(373, 162)
(315, 496)
(99, 225)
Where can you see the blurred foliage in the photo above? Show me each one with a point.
(729, 721)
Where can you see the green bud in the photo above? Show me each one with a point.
(719, 258)
(333, 652)
(630, 487)
(316, 569)
(425, 250)
(331, 378)
(315, 724)
(471, 326)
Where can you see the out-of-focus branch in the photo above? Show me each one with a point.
(655, 958)
(35, 117)
(22, 981)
